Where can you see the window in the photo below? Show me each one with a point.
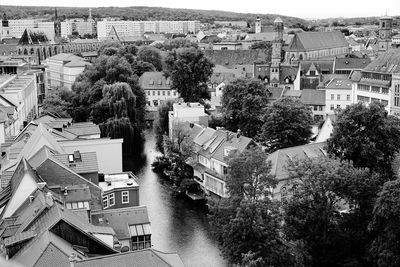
(168, 93)
(163, 92)
(312, 72)
(338, 106)
(141, 236)
(375, 89)
(385, 91)
(148, 92)
(315, 108)
(105, 202)
(332, 107)
(348, 97)
(111, 199)
(338, 97)
(158, 92)
(362, 99)
(397, 95)
(321, 108)
(363, 87)
(154, 92)
(125, 197)
(332, 97)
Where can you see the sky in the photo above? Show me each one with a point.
(297, 8)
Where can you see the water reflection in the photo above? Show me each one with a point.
(177, 225)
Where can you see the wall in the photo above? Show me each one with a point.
(133, 197)
(109, 152)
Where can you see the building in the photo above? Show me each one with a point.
(125, 28)
(15, 28)
(315, 99)
(257, 26)
(385, 34)
(141, 258)
(315, 45)
(378, 81)
(157, 89)
(79, 26)
(62, 70)
(345, 65)
(338, 94)
(120, 190)
(280, 160)
(186, 112)
(396, 41)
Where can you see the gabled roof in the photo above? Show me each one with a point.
(235, 141)
(320, 65)
(308, 41)
(139, 258)
(281, 157)
(87, 164)
(33, 37)
(351, 63)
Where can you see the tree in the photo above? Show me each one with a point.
(161, 123)
(243, 104)
(287, 123)
(320, 189)
(151, 55)
(190, 71)
(176, 43)
(248, 222)
(367, 136)
(58, 101)
(262, 45)
(385, 249)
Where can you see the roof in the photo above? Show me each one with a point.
(313, 97)
(339, 83)
(389, 62)
(33, 37)
(65, 57)
(308, 41)
(77, 64)
(118, 180)
(281, 157)
(351, 63)
(83, 129)
(139, 258)
(154, 80)
(120, 219)
(321, 65)
(87, 164)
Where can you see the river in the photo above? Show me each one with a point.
(177, 225)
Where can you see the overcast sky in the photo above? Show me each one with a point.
(296, 8)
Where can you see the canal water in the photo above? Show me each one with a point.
(177, 224)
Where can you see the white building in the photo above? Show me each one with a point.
(338, 94)
(79, 26)
(16, 28)
(62, 70)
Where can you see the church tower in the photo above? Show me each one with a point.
(57, 26)
(258, 25)
(277, 44)
(385, 34)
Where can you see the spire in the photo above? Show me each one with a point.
(90, 13)
(55, 14)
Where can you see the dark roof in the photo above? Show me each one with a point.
(121, 219)
(139, 258)
(313, 97)
(87, 164)
(83, 128)
(235, 57)
(33, 37)
(389, 62)
(320, 65)
(308, 41)
(351, 63)
(154, 80)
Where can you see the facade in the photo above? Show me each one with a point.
(157, 89)
(315, 99)
(257, 27)
(126, 28)
(338, 92)
(314, 45)
(62, 70)
(119, 190)
(15, 28)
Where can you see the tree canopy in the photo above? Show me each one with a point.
(150, 55)
(58, 101)
(243, 104)
(287, 123)
(190, 71)
(367, 136)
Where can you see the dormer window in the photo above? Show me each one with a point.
(71, 158)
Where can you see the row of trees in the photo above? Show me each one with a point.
(342, 210)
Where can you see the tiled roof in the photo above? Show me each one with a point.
(313, 97)
(339, 83)
(87, 164)
(33, 36)
(139, 258)
(355, 76)
(120, 219)
(240, 143)
(237, 57)
(351, 63)
(389, 62)
(20, 237)
(308, 41)
(83, 128)
(320, 65)
(154, 80)
(281, 157)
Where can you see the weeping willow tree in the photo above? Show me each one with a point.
(116, 111)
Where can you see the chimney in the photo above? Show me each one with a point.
(31, 198)
(72, 259)
(238, 133)
(227, 136)
(49, 199)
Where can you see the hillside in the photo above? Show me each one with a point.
(141, 13)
